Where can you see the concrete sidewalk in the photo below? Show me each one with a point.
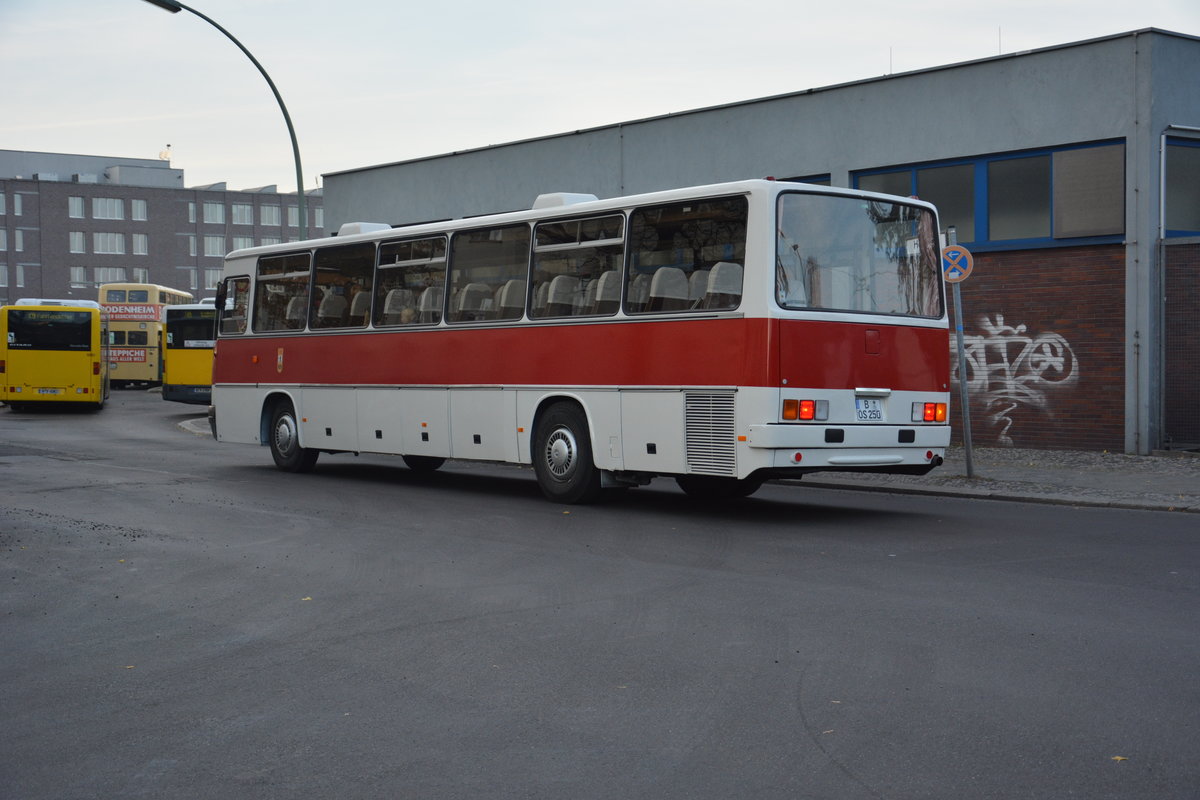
(1161, 482)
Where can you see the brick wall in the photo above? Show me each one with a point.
(1044, 335)
(1181, 352)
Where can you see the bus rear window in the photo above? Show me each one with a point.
(49, 330)
(856, 254)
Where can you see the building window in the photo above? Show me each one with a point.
(3, 276)
(108, 208)
(1019, 198)
(191, 240)
(214, 213)
(79, 277)
(141, 244)
(78, 242)
(1182, 210)
(214, 246)
(293, 217)
(270, 240)
(269, 215)
(109, 274)
(19, 241)
(318, 218)
(3, 207)
(241, 242)
(17, 207)
(212, 278)
(191, 212)
(140, 275)
(108, 243)
(3, 239)
(243, 214)
(75, 207)
(1033, 198)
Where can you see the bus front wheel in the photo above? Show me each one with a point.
(562, 456)
(285, 442)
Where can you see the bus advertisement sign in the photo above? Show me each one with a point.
(125, 312)
(127, 355)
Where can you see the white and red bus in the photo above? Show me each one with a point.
(721, 335)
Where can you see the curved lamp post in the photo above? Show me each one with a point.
(175, 7)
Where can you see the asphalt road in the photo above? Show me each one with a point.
(181, 620)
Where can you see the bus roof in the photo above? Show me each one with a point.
(558, 204)
(36, 301)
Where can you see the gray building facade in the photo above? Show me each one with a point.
(1072, 173)
(69, 223)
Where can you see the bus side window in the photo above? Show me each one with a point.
(677, 249)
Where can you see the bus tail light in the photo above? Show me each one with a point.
(95, 367)
(805, 410)
(929, 412)
(1, 366)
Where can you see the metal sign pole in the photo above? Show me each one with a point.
(963, 397)
(962, 383)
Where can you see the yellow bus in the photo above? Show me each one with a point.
(135, 327)
(53, 351)
(188, 361)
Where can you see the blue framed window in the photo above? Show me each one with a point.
(1032, 198)
(1182, 207)
(818, 180)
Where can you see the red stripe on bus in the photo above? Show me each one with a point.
(723, 352)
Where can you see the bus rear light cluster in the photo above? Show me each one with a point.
(806, 410)
(928, 412)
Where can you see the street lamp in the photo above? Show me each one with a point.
(174, 7)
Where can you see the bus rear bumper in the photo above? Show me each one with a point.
(867, 448)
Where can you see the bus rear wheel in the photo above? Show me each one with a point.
(423, 463)
(714, 487)
(285, 441)
(562, 456)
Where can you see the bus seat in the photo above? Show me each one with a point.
(468, 303)
(668, 290)
(639, 293)
(608, 293)
(295, 312)
(561, 299)
(724, 285)
(395, 304)
(539, 299)
(588, 301)
(697, 286)
(360, 308)
(512, 299)
(430, 306)
(332, 309)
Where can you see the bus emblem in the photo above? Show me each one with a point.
(279, 360)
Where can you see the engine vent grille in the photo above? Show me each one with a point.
(711, 433)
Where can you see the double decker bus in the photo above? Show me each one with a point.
(53, 351)
(135, 319)
(721, 335)
(188, 360)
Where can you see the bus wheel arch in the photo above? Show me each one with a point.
(283, 436)
(561, 449)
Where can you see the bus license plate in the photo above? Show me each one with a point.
(868, 409)
(47, 391)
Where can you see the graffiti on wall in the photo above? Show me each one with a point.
(1008, 368)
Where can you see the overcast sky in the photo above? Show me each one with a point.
(376, 81)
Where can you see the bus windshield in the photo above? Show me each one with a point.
(856, 254)
(36, 329)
